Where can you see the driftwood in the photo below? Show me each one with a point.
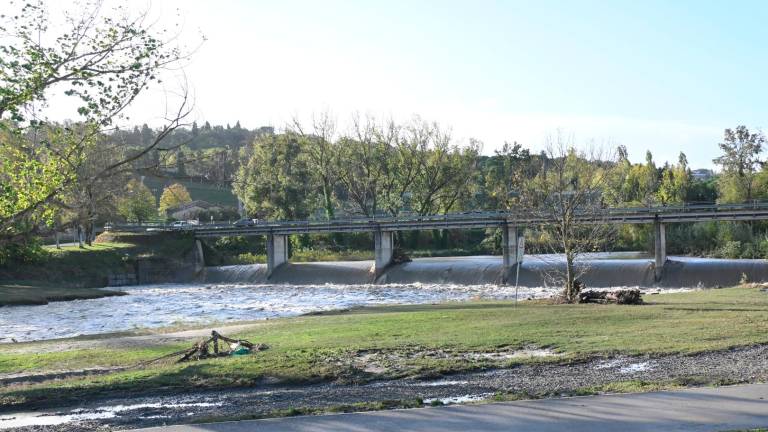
(631, 296)
(217, 345)
(211, 347)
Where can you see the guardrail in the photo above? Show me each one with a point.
(475, 219)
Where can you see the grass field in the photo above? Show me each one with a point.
(324, 347)
(213, 194)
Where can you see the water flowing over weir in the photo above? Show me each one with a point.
(605, 270)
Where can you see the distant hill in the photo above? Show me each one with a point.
(210, 192)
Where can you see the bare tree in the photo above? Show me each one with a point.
(321, 154)
(566, 199)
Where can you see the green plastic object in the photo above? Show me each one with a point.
(240, 351)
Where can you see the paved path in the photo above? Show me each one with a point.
(706, 409)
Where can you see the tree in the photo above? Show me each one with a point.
(137, 203)
(740, 162)
(363, 163)
(173, 196)
(101, 58)
(569, 185)
(675, 182)
(320, 153)
(272, 178)
(506, 173)
(444, 171)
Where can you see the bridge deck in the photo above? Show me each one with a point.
(470, 220)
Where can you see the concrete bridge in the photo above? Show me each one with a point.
(512, 224)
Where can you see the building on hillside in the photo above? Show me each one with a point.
(191, 210)
(702, 174)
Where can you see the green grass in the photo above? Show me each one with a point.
(211, 193)
(320, 347)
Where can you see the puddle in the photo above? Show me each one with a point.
(637, 367)
(516, 354)
(379, 362)
(458, 399)
(440, 383)
(99, 413)
(626, 365)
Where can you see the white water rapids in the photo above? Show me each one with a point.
(153, 306)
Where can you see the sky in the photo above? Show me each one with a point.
(661, 76)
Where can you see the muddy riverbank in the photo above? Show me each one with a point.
(748, 364)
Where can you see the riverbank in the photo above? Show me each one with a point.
(75, 273)
(420, 342)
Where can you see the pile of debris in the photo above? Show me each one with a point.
(217, 345)
(631, 296)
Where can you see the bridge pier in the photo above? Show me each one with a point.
(384, 249)
(660, 249)
(512, 249)
(199, 257)
(277, 252)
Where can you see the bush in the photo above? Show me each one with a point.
(28, 252)
(731, 249)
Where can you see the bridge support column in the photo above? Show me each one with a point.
(512, 249)
(660, 249)
(199, 257)
(277, 252)
(384, 246)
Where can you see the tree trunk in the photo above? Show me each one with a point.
(569, 277)
(80, 236)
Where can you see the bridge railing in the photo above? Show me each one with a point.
(492, 215)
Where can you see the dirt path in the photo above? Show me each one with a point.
(741, 365)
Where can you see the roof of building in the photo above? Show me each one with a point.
(194, 204)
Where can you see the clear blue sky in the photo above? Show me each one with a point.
(665, 76)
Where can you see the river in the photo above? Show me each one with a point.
(240, 293)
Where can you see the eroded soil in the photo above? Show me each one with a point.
(551, 379)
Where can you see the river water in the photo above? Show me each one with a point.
(238, 293)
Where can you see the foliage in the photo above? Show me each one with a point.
(102, 59)
(273, 177)
(740, 162)
(137, 203)
(173, 196)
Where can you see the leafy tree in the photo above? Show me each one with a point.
(101, 58)
(675, 182)
(740, 162)
(137, 203)
(272, 178)
(505, 175)
(173, 196)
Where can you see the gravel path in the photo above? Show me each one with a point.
(748, 364)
